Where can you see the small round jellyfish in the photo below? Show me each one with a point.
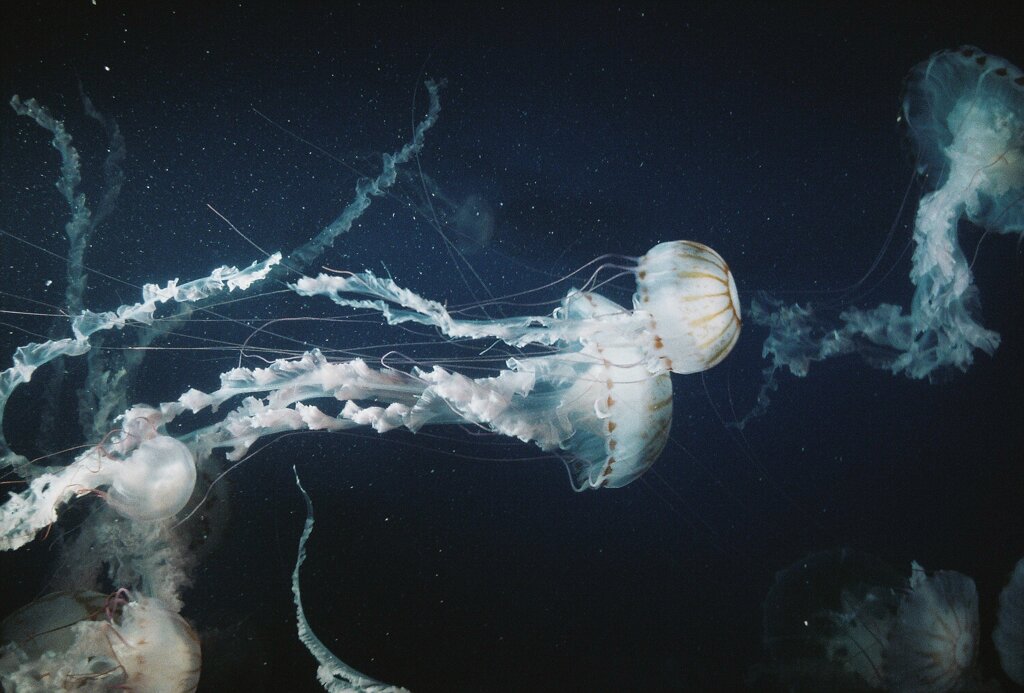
(150, 476)
(155, 482)
(934, 638)
(1009, 633)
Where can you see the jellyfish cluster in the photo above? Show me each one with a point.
(844, 620)
(588, 382)
(598, 393)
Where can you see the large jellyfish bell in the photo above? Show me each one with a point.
(691, 296)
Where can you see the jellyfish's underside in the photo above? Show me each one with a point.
(933, 641)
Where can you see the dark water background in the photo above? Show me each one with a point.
(454, 562)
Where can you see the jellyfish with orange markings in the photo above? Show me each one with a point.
(590, 383)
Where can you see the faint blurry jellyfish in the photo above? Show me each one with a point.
(965, 112)
(1009, 633)
(844, 620)
(826, 621)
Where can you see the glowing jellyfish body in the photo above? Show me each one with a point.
(1009, 633)
(691, 296)
(86, 641)
(934, 638)
(154, 481)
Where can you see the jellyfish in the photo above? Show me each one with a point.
(827, 619)
(964, 110)
(1009, 633)
(90, 641)
(934, 638)
(843, 620)
(601, 395)
(589, 382)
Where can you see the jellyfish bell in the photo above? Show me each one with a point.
(158, 649)
(154, 482)
(1009, 633)
(690, 295)
(149, 475)
(965, 111)
(933, 641)
(616, 415)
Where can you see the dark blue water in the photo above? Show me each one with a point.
(451, 561)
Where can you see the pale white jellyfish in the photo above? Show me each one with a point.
(1009, 633)
(143, 474)
(153, 476)
(86, 641)
(933, 640)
